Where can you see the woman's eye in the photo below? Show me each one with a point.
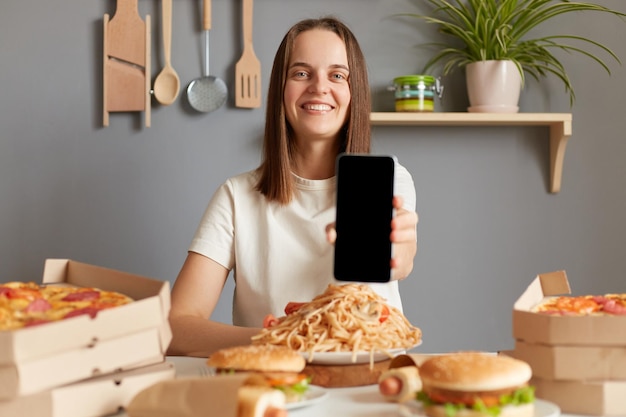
(300, 74)
(339, 76)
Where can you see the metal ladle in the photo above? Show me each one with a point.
(207, 93)
(167, 83)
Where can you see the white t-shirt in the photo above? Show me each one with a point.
(278, 253)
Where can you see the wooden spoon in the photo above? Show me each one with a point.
(167, 83)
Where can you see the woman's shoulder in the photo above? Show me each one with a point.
(244, 177)
(242, 185)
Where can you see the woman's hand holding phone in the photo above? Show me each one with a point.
(403, 235)
(370, 222)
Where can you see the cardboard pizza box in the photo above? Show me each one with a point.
(532, 327)
(597, 398)
(73, 365)
(95, 397)
(149, 311)
(551, 362)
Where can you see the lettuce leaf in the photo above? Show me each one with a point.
(524, 395)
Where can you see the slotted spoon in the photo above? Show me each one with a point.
(248, 68)
(207, 93)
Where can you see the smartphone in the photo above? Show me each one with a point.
(363, 248)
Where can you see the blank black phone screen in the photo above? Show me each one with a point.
(363, 248)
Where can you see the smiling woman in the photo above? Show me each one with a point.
(317, 93)
(273, 226)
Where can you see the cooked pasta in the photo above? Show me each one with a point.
(345, 318)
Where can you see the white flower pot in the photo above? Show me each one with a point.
(493, 86)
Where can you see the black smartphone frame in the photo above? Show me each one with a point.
(365, 190)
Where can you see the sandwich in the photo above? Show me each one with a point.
(278, 367)
(474, 384)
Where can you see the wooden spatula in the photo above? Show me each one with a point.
(248, 68)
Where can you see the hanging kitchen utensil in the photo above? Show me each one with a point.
(167, 83)
(126, 62)
(248, 68)
(207, 93)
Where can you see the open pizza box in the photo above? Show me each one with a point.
(552, 362)
(41, 357)
(100, 396)
(597, 398)
(149, 310)
(562, 330)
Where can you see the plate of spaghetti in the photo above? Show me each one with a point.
(346, 324)
(347, 358)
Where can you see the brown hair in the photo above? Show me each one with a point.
(275, 179)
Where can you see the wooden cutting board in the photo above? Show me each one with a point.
(126, 61)
(336, 376)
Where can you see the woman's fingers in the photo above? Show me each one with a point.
(403, 226)
(331, 233)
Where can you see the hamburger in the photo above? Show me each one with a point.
(474, 384)
(278, 367)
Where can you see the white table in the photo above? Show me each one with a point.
(363, 401)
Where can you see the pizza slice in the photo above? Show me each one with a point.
(25, 304)
(608, 304)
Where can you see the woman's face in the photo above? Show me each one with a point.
(317, 93)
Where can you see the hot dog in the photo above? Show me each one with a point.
(400, 384)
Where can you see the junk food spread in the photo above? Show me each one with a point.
(345, 318)
(608, 304)
(25, 304)
(273, 366)
(476, 384)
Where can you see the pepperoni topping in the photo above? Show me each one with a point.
(87, 295)
(91, 311)
(612, 307)
(38, 305)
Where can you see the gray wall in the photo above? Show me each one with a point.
(129, 197)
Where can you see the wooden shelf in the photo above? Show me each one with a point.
(560, 125)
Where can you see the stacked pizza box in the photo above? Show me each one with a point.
(578, 362)
(86, 366)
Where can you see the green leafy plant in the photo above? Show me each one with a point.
(480, 30)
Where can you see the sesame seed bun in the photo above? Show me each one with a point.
(474, 371)
(260, 358)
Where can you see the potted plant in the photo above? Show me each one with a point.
(492, 35)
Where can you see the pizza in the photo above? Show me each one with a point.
(25, 304)
(582, 305)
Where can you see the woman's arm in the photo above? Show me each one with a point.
(194, 296)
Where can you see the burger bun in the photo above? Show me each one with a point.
(474, 371)
(258, 358)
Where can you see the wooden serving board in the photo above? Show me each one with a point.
(336, 376)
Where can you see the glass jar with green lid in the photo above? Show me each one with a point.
(416, 93)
